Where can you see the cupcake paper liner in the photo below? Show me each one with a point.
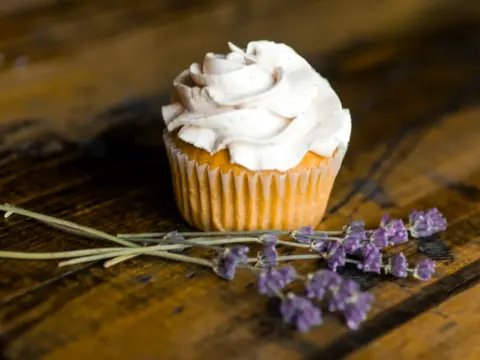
(210, 199)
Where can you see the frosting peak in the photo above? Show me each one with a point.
(266, 105)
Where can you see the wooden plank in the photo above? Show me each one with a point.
(148, 309)
(448, 331)
(66, 62)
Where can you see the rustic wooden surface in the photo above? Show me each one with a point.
(416, 108)
(64, 64)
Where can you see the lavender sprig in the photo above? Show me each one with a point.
(268, 257)
(321, 283)
(372, 259)
(395, 230)
(426, 223)
(424, 270)
(356, 309)
(396, 265)
(225, 265)
(301, 312)
(342, 295)
(335, 255)
(353, 244)
(272, 281)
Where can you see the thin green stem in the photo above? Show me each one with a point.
(292, 257)
(353, 261)
(164, 255)
(54, 255)
(216, 233)
(196, 241)
(70, 230)
(9, 209)
(118, 260)
(300, 257)
(293, 244)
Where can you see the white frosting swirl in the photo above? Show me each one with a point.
(266, 105)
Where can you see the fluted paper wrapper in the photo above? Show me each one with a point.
(210, 199)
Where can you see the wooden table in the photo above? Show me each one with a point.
(416, 108)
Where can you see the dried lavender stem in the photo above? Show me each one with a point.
(353, 261)
(87, 252)
(228, 233)
(330, 238)
(206, 242)
(54, 255)
(196, 241)
(292, 257)
(293, 244)
(164, 255)
(222, 241)
(300, 257)
(118, 260)
(125, 254)
(70, 230)
(9, 209)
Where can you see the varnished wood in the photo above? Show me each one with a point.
(415, 104)
(447, 331)
(66, 62)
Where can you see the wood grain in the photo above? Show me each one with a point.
(415, 142)
(65, 63)
(447, 331)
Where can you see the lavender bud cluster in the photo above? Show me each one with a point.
(301, 312)
(272, 281)
(426, 223)
(342, 295)
(227, 262)
(268, 257)
(354, 245)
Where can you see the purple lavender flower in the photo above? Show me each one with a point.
(340, 297)
(288, 272)
(227, 261)
(396, 230)
(356, 309)
(400, 237)
(372, 259)
(424, 270)
(271, 281)
(303, 235)
(379, 238)
(397, 266)
(320, 283)
(268, 239)
(320, 246)
(335, 255)
(392, 225)
(173, 237)
(319, 242)
(239, 252)
(423, 224)
(301, 312)
(268, 257)
(439, 223)
(356, 226)
(353, 241)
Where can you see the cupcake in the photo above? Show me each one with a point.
(255, 139)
